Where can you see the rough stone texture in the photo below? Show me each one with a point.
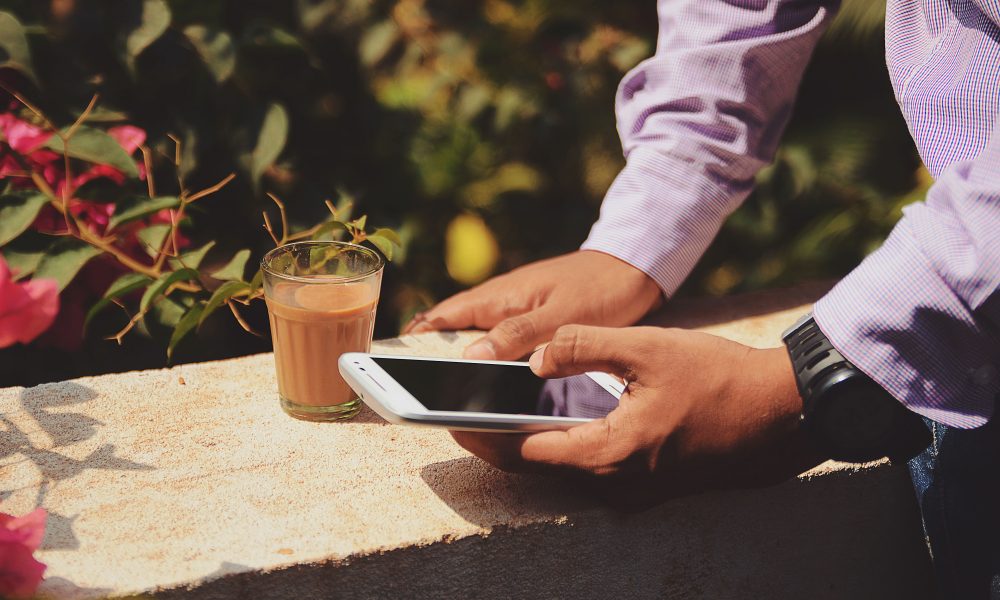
(191, 482)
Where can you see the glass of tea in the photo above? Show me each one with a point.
(321, 299)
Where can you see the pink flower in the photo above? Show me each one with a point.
(23, 137)
(128, 137)
(26, 309)
(20, 572)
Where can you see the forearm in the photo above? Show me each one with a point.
(697, 121)
(921, 315)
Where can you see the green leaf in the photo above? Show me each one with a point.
(257, 281)
(234, 268)
(95, 146)
(270, 141)
(191, 259)
(165, 281)
(360, 222)
(121, 286)
(152, 237)
(17, 212)
(187, 323)
(330, 226)
(389, 234)
(146, 21)
(22, 264)
(14, 51)
(103, 114)
(63, 260)
(268, 36)
(168, 312)
(384, 244)
(24, 253)
(377, 42)
(386, 240)
(224, 292)
(140, 207)
(216, 49)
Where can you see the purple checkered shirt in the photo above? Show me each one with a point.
(921, 315)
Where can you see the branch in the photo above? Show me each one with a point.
(304, 234)
(128, 326)
(332, 209)
(177, 149)
(284, 216)
(147, 159)
(170, 238)
(176, 217)
(67, 177)
(83, 117)
(32, 108)
(101, 244)
(270, 230)
(210, 190)
(239, 319)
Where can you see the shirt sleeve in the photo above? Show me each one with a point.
(697, 121)
(921, 315)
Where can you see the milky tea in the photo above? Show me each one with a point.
(321, 299)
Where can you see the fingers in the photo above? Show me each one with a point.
(576, 349)
(502, 450)
(589, 448)
(514, 337)
(458, 312)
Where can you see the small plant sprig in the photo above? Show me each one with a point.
(141, 235)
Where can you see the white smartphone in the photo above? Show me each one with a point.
(476, 395)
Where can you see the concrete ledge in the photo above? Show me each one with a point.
(191, 482)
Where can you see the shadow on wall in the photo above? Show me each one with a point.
(63, 429)
(463, 484)
(838, 536)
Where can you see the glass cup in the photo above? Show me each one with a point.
(321, 299)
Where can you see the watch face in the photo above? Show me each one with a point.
(856, 416)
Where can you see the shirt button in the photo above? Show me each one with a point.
(985, 376)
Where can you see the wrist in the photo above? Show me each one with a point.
(776, 387)
(644, 290)
(781, 401)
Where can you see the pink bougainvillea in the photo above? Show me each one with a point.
(27, 140)
(20, 571)
(26, 309)
(22, 320)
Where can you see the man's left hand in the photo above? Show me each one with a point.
(700, 412)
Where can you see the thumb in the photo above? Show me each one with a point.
(512, 338)
(576, 349)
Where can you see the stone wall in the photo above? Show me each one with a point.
(191, 482)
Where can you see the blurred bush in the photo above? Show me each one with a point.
(483, 130)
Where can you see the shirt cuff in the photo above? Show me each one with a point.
(900, 323)
(660, 215)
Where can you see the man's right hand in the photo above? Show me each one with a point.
(523, 308)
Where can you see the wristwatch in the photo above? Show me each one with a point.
(845, 413)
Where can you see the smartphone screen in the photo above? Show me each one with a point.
(505, 389)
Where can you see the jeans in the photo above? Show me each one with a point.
(957, 481)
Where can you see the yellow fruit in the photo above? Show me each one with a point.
(471, 251)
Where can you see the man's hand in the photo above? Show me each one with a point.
(700, 412)
(524, 307)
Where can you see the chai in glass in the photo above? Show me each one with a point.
(321, 299)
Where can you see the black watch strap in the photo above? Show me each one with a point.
(813, 357)
(837, 396)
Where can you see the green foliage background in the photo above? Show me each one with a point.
(424, 110)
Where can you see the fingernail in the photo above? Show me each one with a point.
(420, 328)
(535, 362)
(481, 350)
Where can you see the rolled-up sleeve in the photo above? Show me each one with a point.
(921, 315)
(697, 121)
